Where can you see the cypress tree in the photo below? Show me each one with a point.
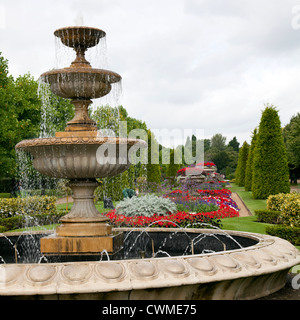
(249, 165)
(270, 164)
(172, 167)
(241, 166)
(153, 167)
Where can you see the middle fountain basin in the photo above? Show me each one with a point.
(77, 157)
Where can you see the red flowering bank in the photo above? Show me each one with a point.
(227, 208)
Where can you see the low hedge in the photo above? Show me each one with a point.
(26, 221)
(29, 205)
(268, 216)
(16, 213)
(291, 234)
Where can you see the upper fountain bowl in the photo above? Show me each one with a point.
(74, 37)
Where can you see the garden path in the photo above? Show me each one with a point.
(244, 211)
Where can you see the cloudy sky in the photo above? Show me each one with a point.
(185, 64)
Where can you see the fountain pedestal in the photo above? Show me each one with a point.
(83, 230)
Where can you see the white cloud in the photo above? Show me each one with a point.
(185, 63)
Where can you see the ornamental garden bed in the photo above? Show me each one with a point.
(204, 210)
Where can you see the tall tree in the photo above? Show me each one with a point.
(234, 144)
(241, 166)
(20, 111)
(270, 164)
(218, 142)
(173, 167)
(153, 167)
(291, 136)
(249, 165)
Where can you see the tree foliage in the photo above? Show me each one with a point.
(20, 112)
(270, 164)
(173, 167)
(234, 144)
(249, 165)
(241, 166)
(153, 167)
(291, 135)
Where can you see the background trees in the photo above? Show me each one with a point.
(25, 115)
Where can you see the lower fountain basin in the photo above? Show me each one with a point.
(78, 156)
(256, 270)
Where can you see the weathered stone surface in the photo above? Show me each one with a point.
(247, 273)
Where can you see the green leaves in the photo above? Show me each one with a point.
(270, 165)
(242, 163)
(147, 205)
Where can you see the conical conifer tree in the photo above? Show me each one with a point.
(153, 167)
(241, 166)
(270, 164)
(249, 165)
(173, 167)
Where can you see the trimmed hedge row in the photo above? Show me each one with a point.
(291, 234)
(283, 210)
(10, 207)
(268, 216)
(18, 213)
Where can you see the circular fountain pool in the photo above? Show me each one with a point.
(251, 266)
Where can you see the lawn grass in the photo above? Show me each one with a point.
(99, 206)
(249, 223)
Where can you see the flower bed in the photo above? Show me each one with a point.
(174, 220)
(220, 198)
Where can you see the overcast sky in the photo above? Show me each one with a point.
(185, 64)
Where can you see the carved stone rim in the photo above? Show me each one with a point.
(103, 75)
(269, 256)
(41, 142)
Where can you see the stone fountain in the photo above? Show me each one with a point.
(255, 268)
(72, 154)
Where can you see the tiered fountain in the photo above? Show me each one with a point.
(254, 269)
(72, 154)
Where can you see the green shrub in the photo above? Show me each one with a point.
(12, 223)
(289, 205)
(291, 234)
(268, 216)
(29, 205)
(147, 205)
(17, 213)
